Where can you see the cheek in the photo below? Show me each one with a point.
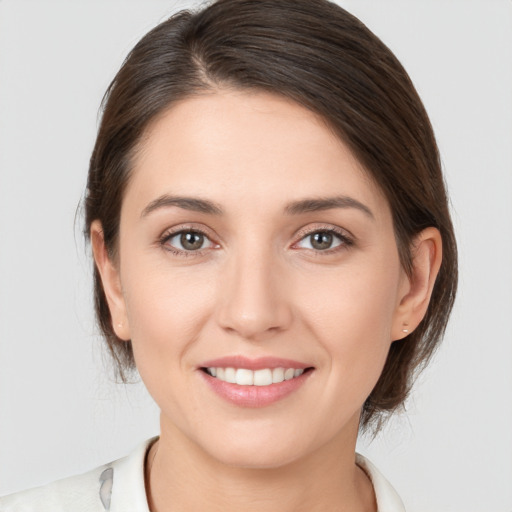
(166, 310)
(351, 314)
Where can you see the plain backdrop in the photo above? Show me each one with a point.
(60, 411)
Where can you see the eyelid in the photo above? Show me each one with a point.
(346, 237)
(170, 233)
(316, 227)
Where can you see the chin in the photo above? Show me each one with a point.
(266, 457)
(260, 448)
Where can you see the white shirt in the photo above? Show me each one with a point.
(119, 487)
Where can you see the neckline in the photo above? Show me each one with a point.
(132, 493)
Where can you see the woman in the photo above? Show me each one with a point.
(273, 251)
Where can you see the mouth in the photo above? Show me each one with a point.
(261, 377)
(246, 382)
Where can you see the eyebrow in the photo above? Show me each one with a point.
(295, 208)
(187, 203)
(326, 203)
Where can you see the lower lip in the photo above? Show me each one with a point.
(254, 396)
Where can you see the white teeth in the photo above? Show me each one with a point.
(264, 377)
(289, 373)
(230, 375)
(244, 377)
(277, 375)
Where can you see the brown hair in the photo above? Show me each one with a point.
(322, 57)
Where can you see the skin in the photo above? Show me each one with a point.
(258, 287)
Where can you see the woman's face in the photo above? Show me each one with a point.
(252, 239)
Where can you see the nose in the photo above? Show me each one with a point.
(254, 298)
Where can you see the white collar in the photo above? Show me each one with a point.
(386, 497)
(131, 495)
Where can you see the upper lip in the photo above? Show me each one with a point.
(259, 363)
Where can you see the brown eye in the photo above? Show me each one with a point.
(191, 241)
(321, 241)
(188, 241)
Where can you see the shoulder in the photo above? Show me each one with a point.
(78, 493)
(118, 486)
(386, 496)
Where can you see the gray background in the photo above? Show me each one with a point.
(60, 412)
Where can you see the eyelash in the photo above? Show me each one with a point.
(345, 240)
(167, 236)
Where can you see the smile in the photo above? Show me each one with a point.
(246, 377)
(249, 382)
(270, 380)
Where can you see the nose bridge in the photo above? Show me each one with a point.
(253, 303)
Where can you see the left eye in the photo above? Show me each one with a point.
(189, 241)
(321, 241)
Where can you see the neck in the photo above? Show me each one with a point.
(182, 477)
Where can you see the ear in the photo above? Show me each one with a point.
(415, 294)
(111, 281)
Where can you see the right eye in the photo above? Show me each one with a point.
(187, 241)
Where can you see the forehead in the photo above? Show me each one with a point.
(249, 147)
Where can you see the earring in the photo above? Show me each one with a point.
(406, 331)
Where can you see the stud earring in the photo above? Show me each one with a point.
(406, 331)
